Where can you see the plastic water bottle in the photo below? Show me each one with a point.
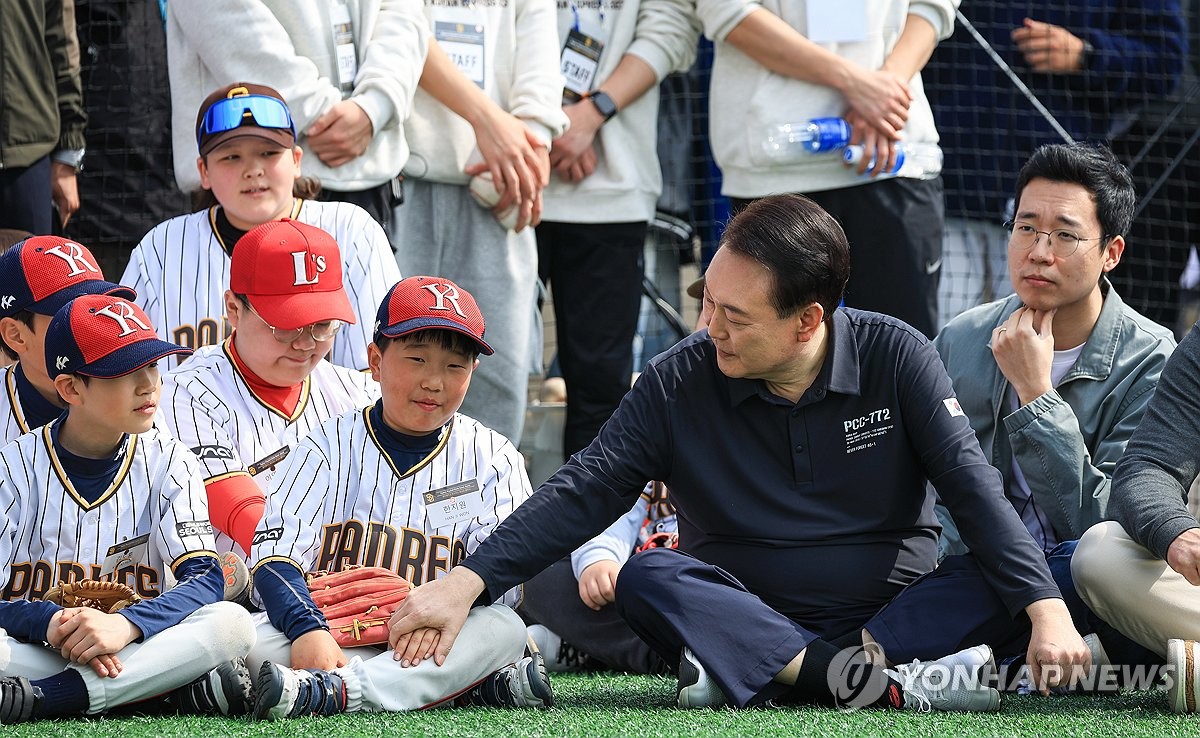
(913, 160)
(791, 142)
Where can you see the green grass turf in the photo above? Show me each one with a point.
(618, 705)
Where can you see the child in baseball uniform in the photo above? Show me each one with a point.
(100, 494)
(38, 275)
(409, 484)
(243, 405)
(250, 166)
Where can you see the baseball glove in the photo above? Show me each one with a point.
(96, 594)
(358, 601)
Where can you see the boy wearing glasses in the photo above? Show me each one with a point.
(250, 169)
(243, 405)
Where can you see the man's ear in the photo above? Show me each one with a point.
(1113, 251)
(808, 320)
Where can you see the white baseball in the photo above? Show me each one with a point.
(483, 189)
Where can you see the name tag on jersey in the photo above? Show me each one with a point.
(579, 61)
(463, 43)
(125, 554)
(268, 462)
(453, 504)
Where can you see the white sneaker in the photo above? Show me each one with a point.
(696, 689)
(1183, 659)
(953, 683)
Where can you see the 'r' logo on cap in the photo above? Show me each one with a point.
(302, 270)
(447, 294)
(124, 317)
(74, 258)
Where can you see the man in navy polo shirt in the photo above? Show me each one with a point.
(797, 440)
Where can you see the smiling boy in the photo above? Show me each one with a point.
(409, 484)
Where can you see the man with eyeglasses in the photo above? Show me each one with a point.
(242, 405)
(1055, 378)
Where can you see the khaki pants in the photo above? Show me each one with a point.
(1133, 590)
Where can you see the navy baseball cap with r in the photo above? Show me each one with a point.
(43, 273)
(423, 303)
(103, 336)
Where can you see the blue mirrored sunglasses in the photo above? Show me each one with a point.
(230, 113)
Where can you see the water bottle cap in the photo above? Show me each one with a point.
(831, 133)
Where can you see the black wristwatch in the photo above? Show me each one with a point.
(604, 104)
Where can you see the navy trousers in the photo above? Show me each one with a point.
(25, 201)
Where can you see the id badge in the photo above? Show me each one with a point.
(463, 43)
(125, 555)
(343, 44)
(834, 21)
(453, 504)
(267, 464)
(579, 62)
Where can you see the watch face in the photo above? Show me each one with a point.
(604, 104)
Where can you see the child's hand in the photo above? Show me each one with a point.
(598, 583)
(316, 649)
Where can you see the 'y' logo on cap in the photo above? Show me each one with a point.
(125, 315)
(302, 270)
(61, 362)
(447, 294)
(7, 301)
(74, 258)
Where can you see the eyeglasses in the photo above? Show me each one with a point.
(229, 113)
(323, 331)
(1063, 243)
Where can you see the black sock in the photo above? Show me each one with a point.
(853, 639)
(63, 695)
(858, 682)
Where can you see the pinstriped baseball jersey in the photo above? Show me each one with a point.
(152, 517)
(12, 416)
(208, 405)
(181, 271)
(339, 501)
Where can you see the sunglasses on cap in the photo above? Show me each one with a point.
(229, 113)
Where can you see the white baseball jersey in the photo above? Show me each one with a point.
(208, 405)
(339, 501)
(152, 518)
(181, 271)
(12, 415)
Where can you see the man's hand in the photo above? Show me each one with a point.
(81, 634)
(1183, 555)
(598, 583)
(1057, 654)
(64, 189)
(880, 98)
(877, 145)
(572, 155)
(440, 606)
(1049, 48)
(341, 135)
(317, 649)
(518, 160)
(105, 665)
(1024, 350)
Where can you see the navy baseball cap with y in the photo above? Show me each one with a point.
(103, 336)
(424, 303)
(43, 273)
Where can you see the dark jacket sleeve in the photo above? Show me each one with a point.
(63, 45)
(1150, 484)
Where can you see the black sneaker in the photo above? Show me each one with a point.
(291, 693)
(226, 690)
(523, 684)
(18, 700)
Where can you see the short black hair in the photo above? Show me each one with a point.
(1096, 169)
(447, 339)
(802, 246)
(23, 316)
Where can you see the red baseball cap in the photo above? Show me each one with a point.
(43, 273)
(423, 303)
(103, 336)
(291, 273)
